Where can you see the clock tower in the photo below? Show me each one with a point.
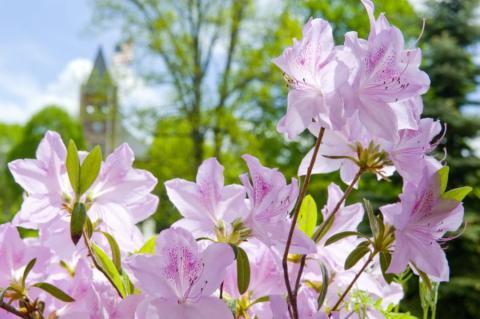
(99, 107)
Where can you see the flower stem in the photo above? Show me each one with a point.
(322, 228)
(291, 296)
(330, 217)
(12, 310)
(90, 252)
(350, 286)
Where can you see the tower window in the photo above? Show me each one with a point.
(90, 109)
(97, 127)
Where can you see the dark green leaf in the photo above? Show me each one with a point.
(90, 169)
(89, 227)
(323, 229)
(116, 257)
(371, 218)
(109, 268)
(352, 259)
(307, 218)
(385, 259)
(79, 215)
(54, 291)
(73, 166)
(243, 271)
(27, 270)
(343, 235)
(324, 289)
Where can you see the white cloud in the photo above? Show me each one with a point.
(23, 95)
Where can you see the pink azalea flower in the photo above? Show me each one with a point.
(408, 151)
(207, 203)
(266, 276)
(119, 198)
(181, 277)
(271, 200)
(420, 219)
(341, 143)
(384, 73)
(313, 74)
(15, 254)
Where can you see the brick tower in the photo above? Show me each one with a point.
(99, 107)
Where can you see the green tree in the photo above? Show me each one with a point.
(10, 135)
(450, 38)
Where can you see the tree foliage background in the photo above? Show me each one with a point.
(225, 98)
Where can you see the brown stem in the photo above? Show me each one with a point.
(291, 297)
(90, 251)
(325, 223)
(349, 189)
(350, 286)
(12, 310)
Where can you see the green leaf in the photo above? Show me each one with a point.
(127, 284)
(307, 219)
(323, 229)
(79, 215)
(443, 175)
(260, 300)
(243, 270)
(324, 289)
(352, 259)
(109, 268)
(343, 235)
(149, 246)
(54, 291)
(385, 260)
(73, 166)
(371, 218)
(90, 169)
(27, 270)
(89, 228)
(116, 256)
(457, 194)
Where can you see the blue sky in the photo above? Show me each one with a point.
(41, 36)
(45, 52)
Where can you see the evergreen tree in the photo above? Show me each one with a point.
(449, 45)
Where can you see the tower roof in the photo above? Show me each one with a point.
(99, 72)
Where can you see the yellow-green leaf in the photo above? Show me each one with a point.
(307, 218)
(457, 194)
(109, 268)
(90, 169)
(54, 291)
(73, 166)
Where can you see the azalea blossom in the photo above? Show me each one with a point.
(383, 72)
(119, 197)
(313, 74)
(408, 153)
(270, 200)
(16, 253)
(421, 218)
(181, 277)
(208, 204)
